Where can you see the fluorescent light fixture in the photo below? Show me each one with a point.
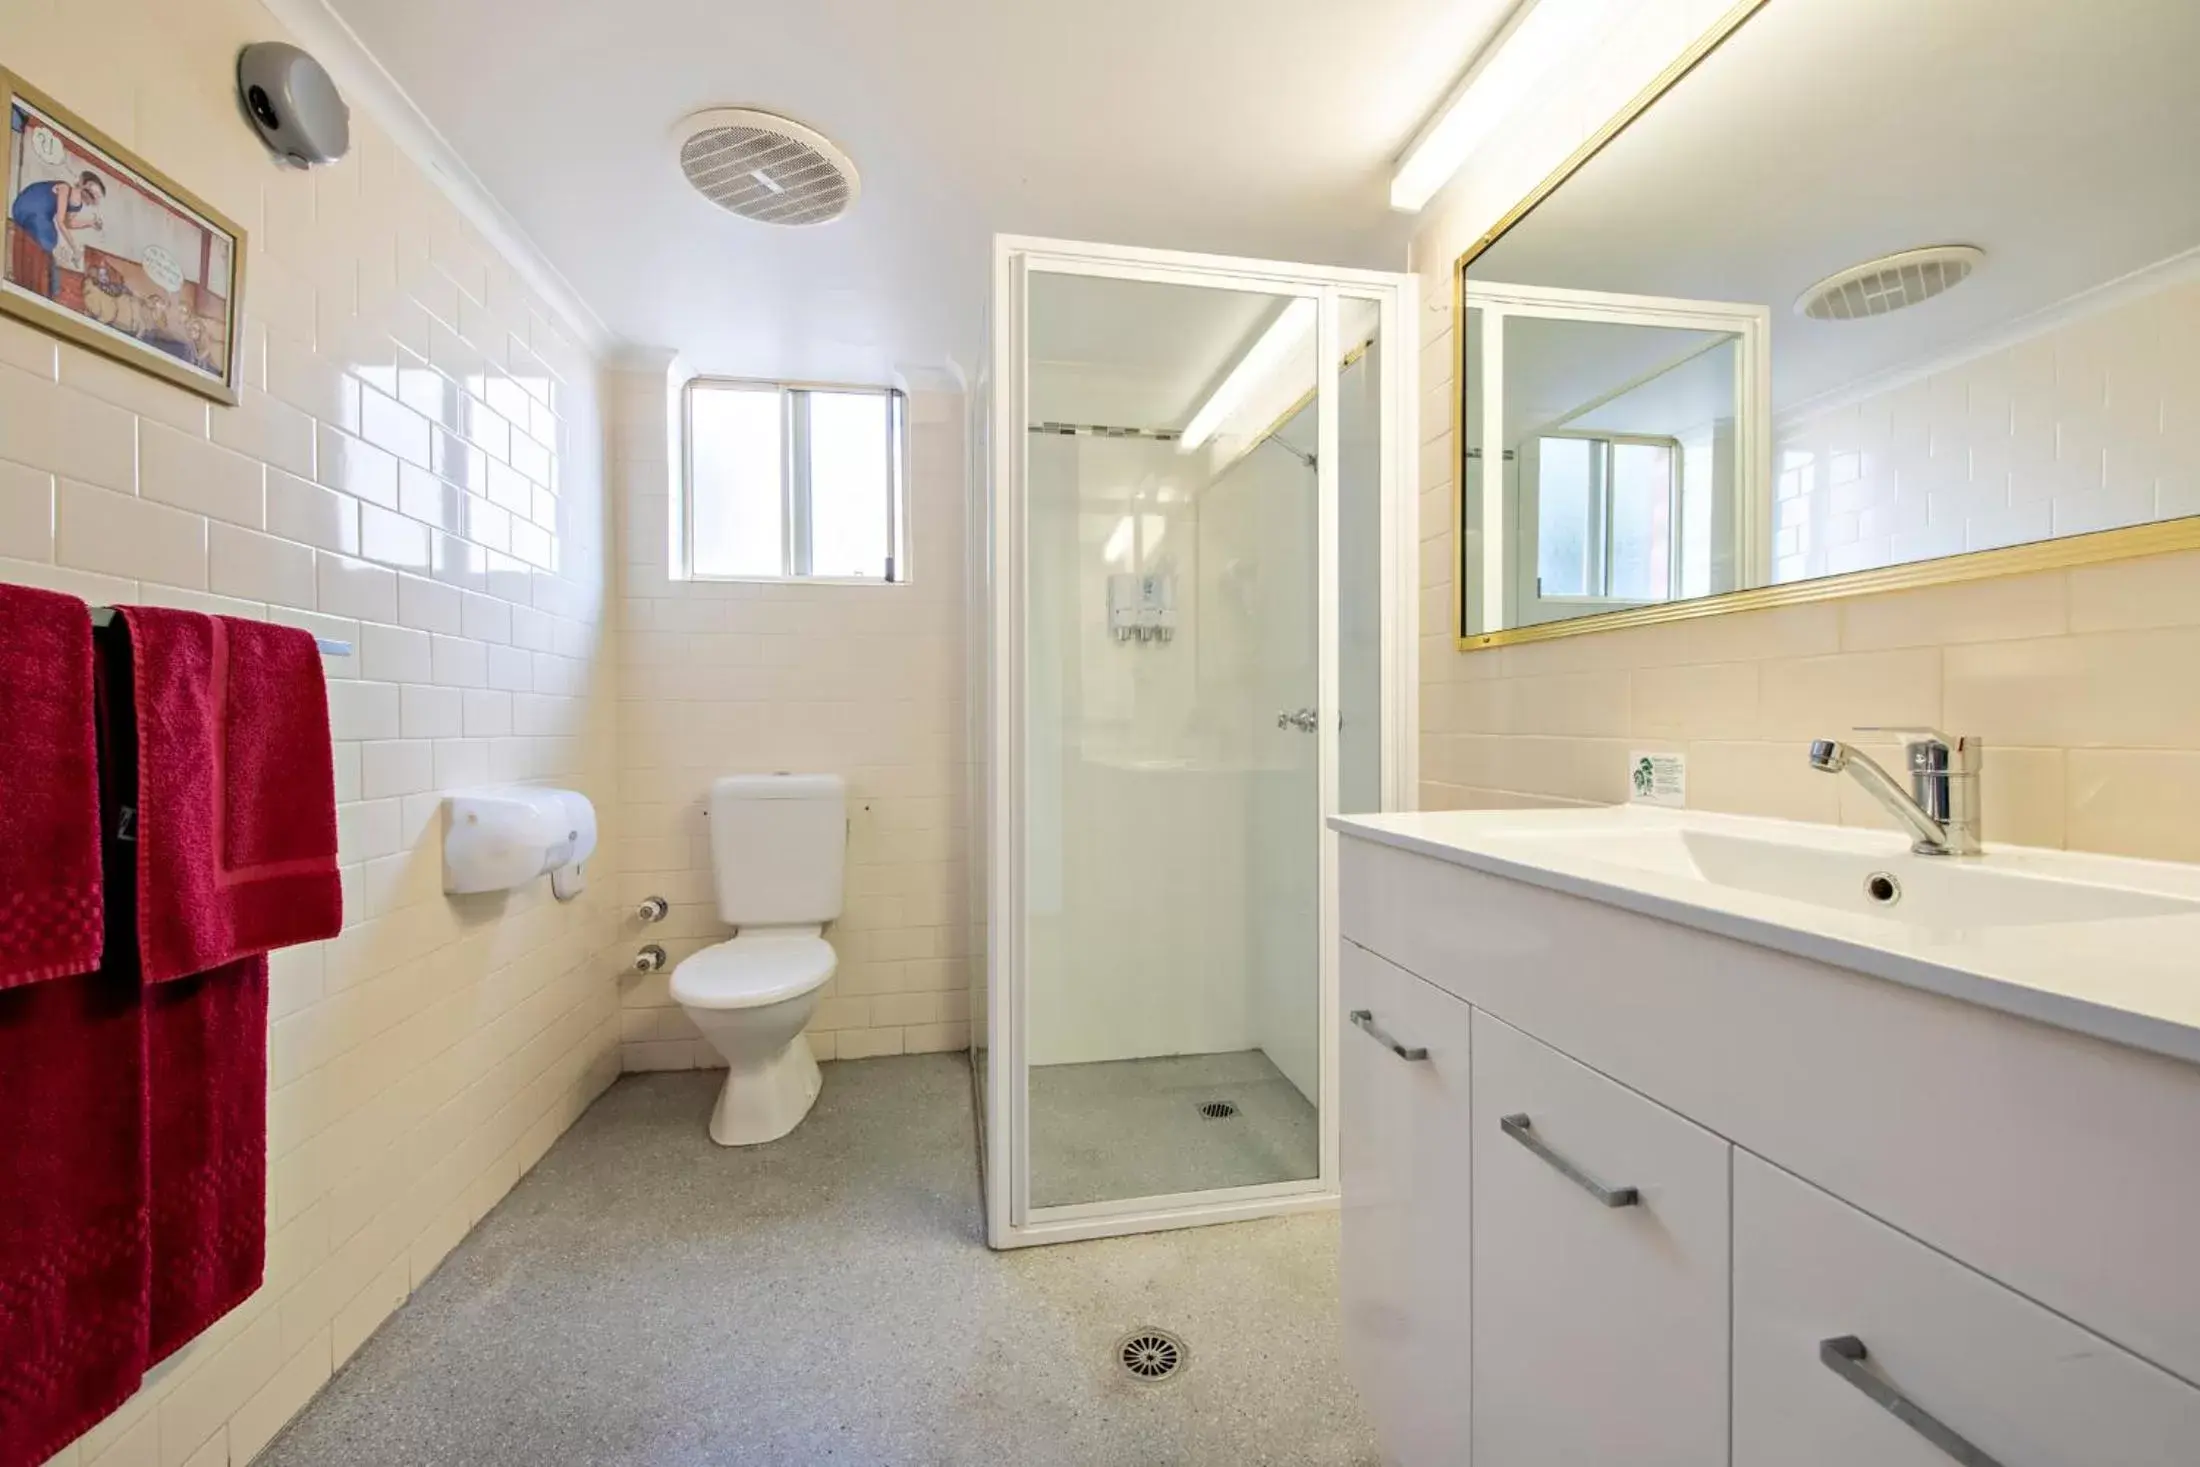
(1511, 67)
(1284, 336)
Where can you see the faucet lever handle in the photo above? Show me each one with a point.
(1930, 750)
(1909, 733)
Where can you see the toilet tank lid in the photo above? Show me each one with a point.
(779, 787)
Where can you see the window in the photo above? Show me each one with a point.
(794, 482)
(1605, 517)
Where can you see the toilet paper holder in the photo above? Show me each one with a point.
(502, 837)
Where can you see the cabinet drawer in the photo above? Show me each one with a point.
(2024, 1386)
(1404, 1262)
(1600, 1322)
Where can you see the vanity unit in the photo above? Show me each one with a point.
(1681, 1139)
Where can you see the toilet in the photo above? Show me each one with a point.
(778, 849)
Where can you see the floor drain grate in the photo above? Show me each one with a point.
(1151, 1354)
(1218, 1110)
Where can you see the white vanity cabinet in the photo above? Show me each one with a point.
(1408, 1192)
(1869, 1224)
(1601, 1267)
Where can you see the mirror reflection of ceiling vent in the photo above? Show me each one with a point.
(765, 167)
(1889, 283)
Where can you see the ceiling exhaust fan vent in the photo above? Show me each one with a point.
(765, 167)
(1889, 283)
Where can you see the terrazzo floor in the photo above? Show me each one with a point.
(1134, 1128)
(645, 1297)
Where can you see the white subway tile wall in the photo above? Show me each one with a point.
(416, 468)
(720, 677)
(2084, 427)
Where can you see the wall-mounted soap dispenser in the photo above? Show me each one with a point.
(1123, 605)
(1157, 606)
(504, 836)
(1142, 608)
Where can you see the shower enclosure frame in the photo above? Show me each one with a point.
(1000, 598)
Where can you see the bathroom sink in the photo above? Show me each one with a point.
(2106, 945)
(1935, 892)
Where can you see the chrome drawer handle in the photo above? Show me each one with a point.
(1845, 1356)
(1365, 1020)
(1517, 1128)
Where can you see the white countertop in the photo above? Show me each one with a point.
(2132, 979)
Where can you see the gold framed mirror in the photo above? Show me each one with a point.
(1978, 273)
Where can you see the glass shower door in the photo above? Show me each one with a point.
(1174, 746)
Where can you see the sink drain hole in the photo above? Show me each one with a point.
(1151, 1354)
(1218, 1110)
(1883, 888)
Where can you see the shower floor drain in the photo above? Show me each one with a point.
(1218, 1110)
(1151, 1354)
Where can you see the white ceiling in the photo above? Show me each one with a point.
(1258, 127)
(2058, 136)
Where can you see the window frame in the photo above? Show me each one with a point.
(795, 497)
(1600, 513)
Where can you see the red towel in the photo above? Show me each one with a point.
(236, 852)
(206, 1060)
(236, 782)
(74, 1309)
(49, 789)
(74, 1312)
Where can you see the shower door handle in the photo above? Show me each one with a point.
(1305, 720)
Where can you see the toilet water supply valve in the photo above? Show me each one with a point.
(650, 959)
(653, 909)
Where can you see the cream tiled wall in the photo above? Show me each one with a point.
(2082, 682)
(720, 677)
(2083, 427)
(416, 467)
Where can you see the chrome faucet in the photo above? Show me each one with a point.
(1942, 808)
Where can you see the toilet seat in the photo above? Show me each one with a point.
(753, 970)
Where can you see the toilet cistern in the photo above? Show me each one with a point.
(1941, 809)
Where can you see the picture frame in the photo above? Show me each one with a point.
(104, 250)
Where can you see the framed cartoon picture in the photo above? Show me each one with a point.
(113, 255)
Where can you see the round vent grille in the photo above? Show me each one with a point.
(764, 167)
(1889, 283)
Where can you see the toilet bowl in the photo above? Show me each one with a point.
(752, 997)
(778, 852)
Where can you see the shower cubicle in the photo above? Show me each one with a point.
(1196, 640)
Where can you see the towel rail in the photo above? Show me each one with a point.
(330, 646)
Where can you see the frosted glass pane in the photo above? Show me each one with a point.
(1642, 530)
(1566, 480)
(1171, 825)
(850, 488)
(739, 527)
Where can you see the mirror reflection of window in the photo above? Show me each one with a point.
(1569, 512)
(1642, 521)
(1605, 521)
